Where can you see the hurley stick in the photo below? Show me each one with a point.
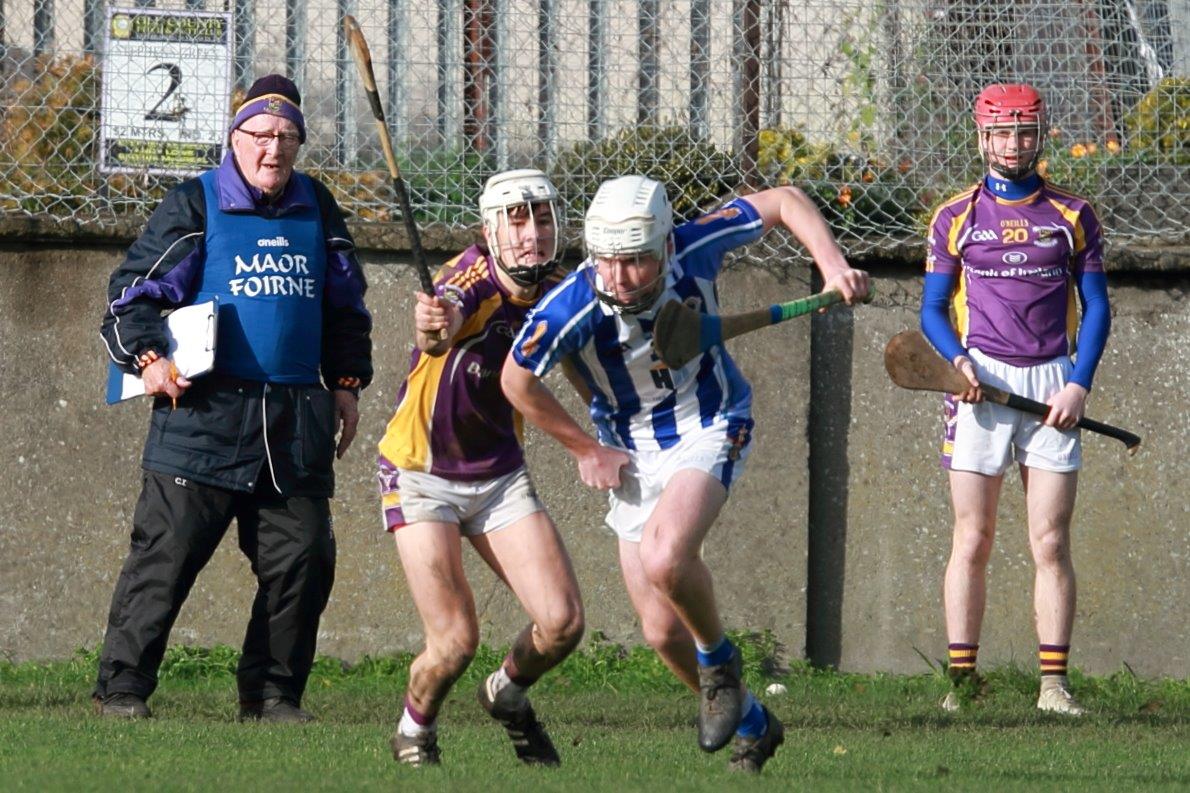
(912, 363)
(363, 61)
(681, 333)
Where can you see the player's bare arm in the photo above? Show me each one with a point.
(794, 210)
(431, 316)
(598, 466)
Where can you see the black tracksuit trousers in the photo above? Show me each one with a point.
(176, 528)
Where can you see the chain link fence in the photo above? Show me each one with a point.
(865, 105)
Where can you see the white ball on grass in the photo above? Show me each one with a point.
(776, 689)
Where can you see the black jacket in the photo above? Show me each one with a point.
(219, 435)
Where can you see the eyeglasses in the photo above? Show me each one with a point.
(287, 140)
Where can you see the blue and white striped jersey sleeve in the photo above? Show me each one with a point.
(559, 325)
(701, 243)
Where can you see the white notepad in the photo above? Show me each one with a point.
(191, 334)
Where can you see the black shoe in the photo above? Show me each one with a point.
(722, 703)
(276, 710)
(750, 754)
(122, 705)
(416, 750)
(533, 746)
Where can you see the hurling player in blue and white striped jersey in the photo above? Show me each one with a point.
(670, 441)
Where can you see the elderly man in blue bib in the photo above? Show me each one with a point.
(255, 439)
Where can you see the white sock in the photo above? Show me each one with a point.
(707, 649)
(408, 727)
(504, 691)
(1054, 681)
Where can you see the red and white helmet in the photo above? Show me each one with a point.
(1014, 106)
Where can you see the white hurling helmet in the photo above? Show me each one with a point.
(629, 216)
(508, 190)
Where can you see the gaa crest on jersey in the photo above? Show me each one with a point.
(1045, 236)
(529, 345)
(726, 213)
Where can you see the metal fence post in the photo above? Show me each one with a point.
(648, 29)
(398, 46)
(92, 26)
(295, 41)
(700, 67)
(43, 27)
(747, 87)
(499, 87)
(478, 77)
(547, 132)
(244, 24)
(774, 43)
(594, 69)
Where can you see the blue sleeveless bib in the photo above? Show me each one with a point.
(268, 276)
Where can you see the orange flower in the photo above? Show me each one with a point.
(904, 165)
(1078, 150)
(1092, 147)
(868, 176)
(844, 197)
(1055, 133)
(1113, 146)
(1042, 167)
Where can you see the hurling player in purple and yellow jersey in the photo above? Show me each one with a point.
(451, 466)
(1011, 259)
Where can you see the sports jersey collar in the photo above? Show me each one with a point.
(236, 195)
(494, 277)
(1012, 190)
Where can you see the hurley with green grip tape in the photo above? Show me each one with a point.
(681, 333)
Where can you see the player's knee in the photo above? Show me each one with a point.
(453, 650)
(663, 568)
(1051, 549)
(973, 543)
(666, 638)
(564, 630)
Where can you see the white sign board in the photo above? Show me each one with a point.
(166, 91)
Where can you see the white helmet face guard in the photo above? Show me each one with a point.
(642, 298)
(504, 193)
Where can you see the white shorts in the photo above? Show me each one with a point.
(717, 451)
(987, 437)
(479, 507)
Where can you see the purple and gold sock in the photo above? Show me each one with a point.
(962, 659)
(1053, 658)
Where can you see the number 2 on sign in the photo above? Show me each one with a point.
(179, 108)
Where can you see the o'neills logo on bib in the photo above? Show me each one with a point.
(283, 275)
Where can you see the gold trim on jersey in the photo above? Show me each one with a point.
(406, 442)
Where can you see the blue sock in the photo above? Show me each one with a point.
(716, 654)
(755, 722)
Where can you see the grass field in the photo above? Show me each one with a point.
(619, 721)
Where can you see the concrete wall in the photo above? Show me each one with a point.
(875, 512)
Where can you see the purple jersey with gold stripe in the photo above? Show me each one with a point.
(1014, 264)
(452, 419)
